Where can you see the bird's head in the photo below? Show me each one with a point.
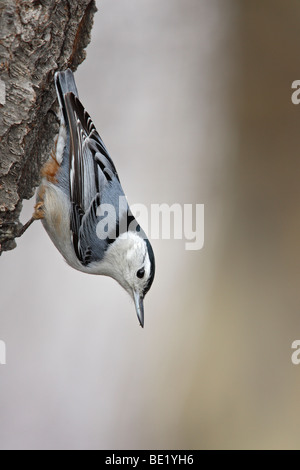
(131, 263)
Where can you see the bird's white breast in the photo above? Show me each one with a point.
(57, 221)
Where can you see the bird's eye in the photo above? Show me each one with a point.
(141, 273)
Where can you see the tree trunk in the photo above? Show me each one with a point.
(37, 38)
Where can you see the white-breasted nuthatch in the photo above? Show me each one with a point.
(79, 184)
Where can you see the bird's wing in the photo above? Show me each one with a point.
(93, 181)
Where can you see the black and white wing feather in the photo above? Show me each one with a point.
(93, 181)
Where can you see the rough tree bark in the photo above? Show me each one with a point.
(37, 38)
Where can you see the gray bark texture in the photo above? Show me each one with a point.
(37, 38)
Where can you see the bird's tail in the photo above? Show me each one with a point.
(65, 83)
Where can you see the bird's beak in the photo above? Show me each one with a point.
(139, 305)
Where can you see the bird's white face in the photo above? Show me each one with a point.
(129, 263)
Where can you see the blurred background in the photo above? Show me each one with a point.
(193, 100)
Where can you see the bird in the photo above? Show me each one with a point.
(83, 207)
